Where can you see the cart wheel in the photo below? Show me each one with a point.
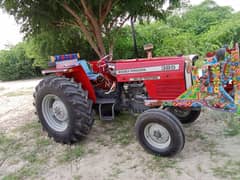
(160, 132)
(185, 116)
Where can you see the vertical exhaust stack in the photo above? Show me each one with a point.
(148, 48)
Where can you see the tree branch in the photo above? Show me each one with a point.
(105, 11)
(83, 28)
(123, 22)
(96, 27)
(112, 22)
(120, 24)
(64, 23)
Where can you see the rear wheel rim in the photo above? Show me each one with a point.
(55, 113)
(157, 135)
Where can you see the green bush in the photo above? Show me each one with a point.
(14, 64)
(199, 30)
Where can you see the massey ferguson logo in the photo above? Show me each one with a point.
(168, 67)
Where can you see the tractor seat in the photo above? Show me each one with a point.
(87, 68)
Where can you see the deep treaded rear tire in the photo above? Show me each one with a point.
(166, 124)
(78, 107)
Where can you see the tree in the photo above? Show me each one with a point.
(95, 18)
(199, 19)
(57, 41)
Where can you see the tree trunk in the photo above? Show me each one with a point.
(96, 27)
(92, 32)
(83, 28)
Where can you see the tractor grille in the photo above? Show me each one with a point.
(169, 90)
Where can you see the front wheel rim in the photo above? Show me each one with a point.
(55, 113)
(157, 135)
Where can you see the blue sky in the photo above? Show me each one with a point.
(9, 31)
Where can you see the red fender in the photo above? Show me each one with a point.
(79, 75)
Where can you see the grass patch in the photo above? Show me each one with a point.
(71, 153)
(123, 136)
(230, 170)
(162, 164)
(35, 157)
(31, 157)
(36, 142)
(196, 134)
(210, 146)
(43, 142)
(233, 127)
(17, 93)
(121, 130)
(206, 143)
(5, 146)
(218, 116)
(77, 177)
(30, 147)
(23, 173)
(8, 146)
(33, 131)
(29, 126)
(5, 141)
(34, 128)
(115, 173)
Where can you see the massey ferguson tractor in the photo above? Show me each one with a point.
(165, 91)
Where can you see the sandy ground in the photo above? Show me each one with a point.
(111, 150)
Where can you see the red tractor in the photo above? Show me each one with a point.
(65, 100)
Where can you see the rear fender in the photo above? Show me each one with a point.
(79, 76)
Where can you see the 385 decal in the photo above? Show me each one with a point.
(167, 67)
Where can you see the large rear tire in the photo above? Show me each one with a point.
(159, 132)
(64, 109)
(185, 116)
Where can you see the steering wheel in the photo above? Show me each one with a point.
(102, 63)
(107, 58)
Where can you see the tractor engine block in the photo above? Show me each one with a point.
(135, 93)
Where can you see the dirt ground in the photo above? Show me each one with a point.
(110, 151)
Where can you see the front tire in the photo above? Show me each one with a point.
(64, 109)
(159, 132)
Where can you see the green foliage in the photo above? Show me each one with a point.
(226, 31)
(198, 30)
(15, 64)
(61, 41)
(37, 15)
(95, 19)
(199, 19)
